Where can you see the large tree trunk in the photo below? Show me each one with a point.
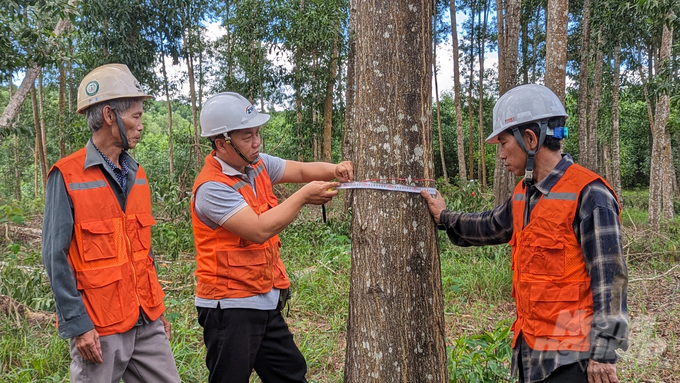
(395, 329)
(668, 177)
(583, 131)
(595, 106)
(556, 46)
(349, 136)
(471, 150)
(460, 139)
(15, 103)
(328, 104)
(659, 192)
(616, 160)
(482, 39)
(504, 181)
(436, 94)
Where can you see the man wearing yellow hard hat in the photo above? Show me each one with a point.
(97, 243)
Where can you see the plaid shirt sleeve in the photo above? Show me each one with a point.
(491, 227)
(599, 230)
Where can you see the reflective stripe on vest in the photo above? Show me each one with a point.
(228, 266)
(551, 285)
(110, 248)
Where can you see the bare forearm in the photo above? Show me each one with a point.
(273, 221)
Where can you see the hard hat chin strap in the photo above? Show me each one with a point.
(121, 127)
(531, 154)
(238, 151)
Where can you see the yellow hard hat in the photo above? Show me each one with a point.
(108, 82)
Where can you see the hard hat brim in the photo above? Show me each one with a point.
(143, 97)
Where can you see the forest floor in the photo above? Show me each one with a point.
(478, 309)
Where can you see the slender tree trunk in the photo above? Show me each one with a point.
(526, 17)
(583, 131)
(41, 164)
(668, 177)
(436, 93)
(482, 39)
(606, 162)
(504, 181)
(328, 104)
(15, 149)
(534, 46)
(395, 330)
(556, 46)
(660, 194)
(616, 160)
(171, 158)
(43, 127)
(62, 106)
(460, 139)
(472, 76)
(595, 105)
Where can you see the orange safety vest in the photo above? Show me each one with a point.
(550, 283)
(228, 266)
(109, 251)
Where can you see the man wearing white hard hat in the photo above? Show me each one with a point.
(241, 281)
(97, 243)
(562, 223)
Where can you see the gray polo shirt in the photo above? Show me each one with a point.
(215, 203)
(57, 232)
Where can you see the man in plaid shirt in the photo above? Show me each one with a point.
(562, 221)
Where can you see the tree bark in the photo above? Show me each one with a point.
(472, 77)
(660, 194)
(616, 160)
(349, 135)
(583, 132)
(15, 148)
(395, 329)
(668, 177)
(595, 105)
(556, 46)
(328, 104)
(436, 94)
(15, 103)
(504, 181)
(460, 139)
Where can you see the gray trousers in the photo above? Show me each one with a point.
(140, 355)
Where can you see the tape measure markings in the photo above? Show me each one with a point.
(388, 187)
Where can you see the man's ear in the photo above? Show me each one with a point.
(109, 115)
(530, 140)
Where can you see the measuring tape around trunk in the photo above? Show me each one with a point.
(388, 187)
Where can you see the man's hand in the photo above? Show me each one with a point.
(89, 347)
(436, 205)
(166, 325)
(318, 192)
(344, 171)
(601, 372)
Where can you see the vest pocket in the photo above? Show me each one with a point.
(140, 231)
(554, 309)
(101, 293)
(150, 291)
(97, 240)
(247, 269)
(546, 256)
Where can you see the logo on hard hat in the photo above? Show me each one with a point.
(139, 87)
(250, 109)
(511, 119)
(92, 88)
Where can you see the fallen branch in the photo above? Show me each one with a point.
(654, 277)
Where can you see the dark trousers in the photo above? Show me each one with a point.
(240, 340)
(570, 373)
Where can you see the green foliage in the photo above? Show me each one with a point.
(481, 358)
(465, 196)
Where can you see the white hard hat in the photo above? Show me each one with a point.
(108, 82)
(522, 104)
(229, 111)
